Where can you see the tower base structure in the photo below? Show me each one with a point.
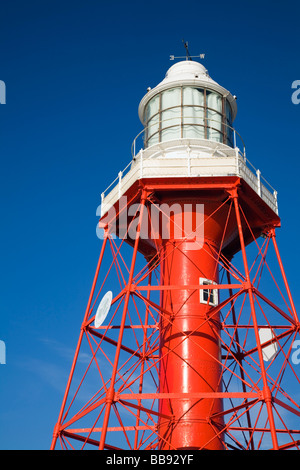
(199, 348)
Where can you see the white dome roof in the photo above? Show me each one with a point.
(186, 70)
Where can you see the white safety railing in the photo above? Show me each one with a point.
(243, 167)
(207, 125)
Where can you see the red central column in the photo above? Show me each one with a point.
(190, 364)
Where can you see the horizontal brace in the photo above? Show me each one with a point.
(246, 428)
(190, 286)
(274, 327)
(185, 396)
(171, 186)
(126, 327)
(115, 428)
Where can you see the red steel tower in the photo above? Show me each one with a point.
(189, 338)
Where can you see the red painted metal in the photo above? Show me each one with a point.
(166, 371)
(183, 262)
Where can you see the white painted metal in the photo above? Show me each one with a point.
(188, 157)
(269, 351)
(190, 73)
(103, 309)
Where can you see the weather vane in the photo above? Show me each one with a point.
(187, 56)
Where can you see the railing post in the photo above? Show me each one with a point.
(141, 163)
(189, 161)
(120, 174)
(234, 138)
(276, 202)
(237, 157)
(258, 173)
(102, 199)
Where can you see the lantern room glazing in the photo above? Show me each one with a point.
(188, 112)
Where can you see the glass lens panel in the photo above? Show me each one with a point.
(229, 134)
(171, 120)
(153, 125)
(193, 115)
(214, 126)
(214, 101)
(228, 112)
(193, 132)
(153, 140)
(193, 96)
(171, 117)
(171, 98)
(152, 108)
(214, 120)
(170, 133)
(229, 130)
(214, 116)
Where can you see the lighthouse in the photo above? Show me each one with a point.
(187, 344)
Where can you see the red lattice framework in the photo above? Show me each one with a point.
(113, 392)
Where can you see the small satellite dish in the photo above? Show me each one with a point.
(103, 309)
(269, 351)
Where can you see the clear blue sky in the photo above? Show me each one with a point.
(75, 73)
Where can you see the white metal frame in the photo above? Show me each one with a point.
(213, 292)
(192, 158)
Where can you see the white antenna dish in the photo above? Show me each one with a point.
(103, 309)
(269, 351)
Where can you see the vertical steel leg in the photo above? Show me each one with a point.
(266, 389)
(111, 391)
(82, 330)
